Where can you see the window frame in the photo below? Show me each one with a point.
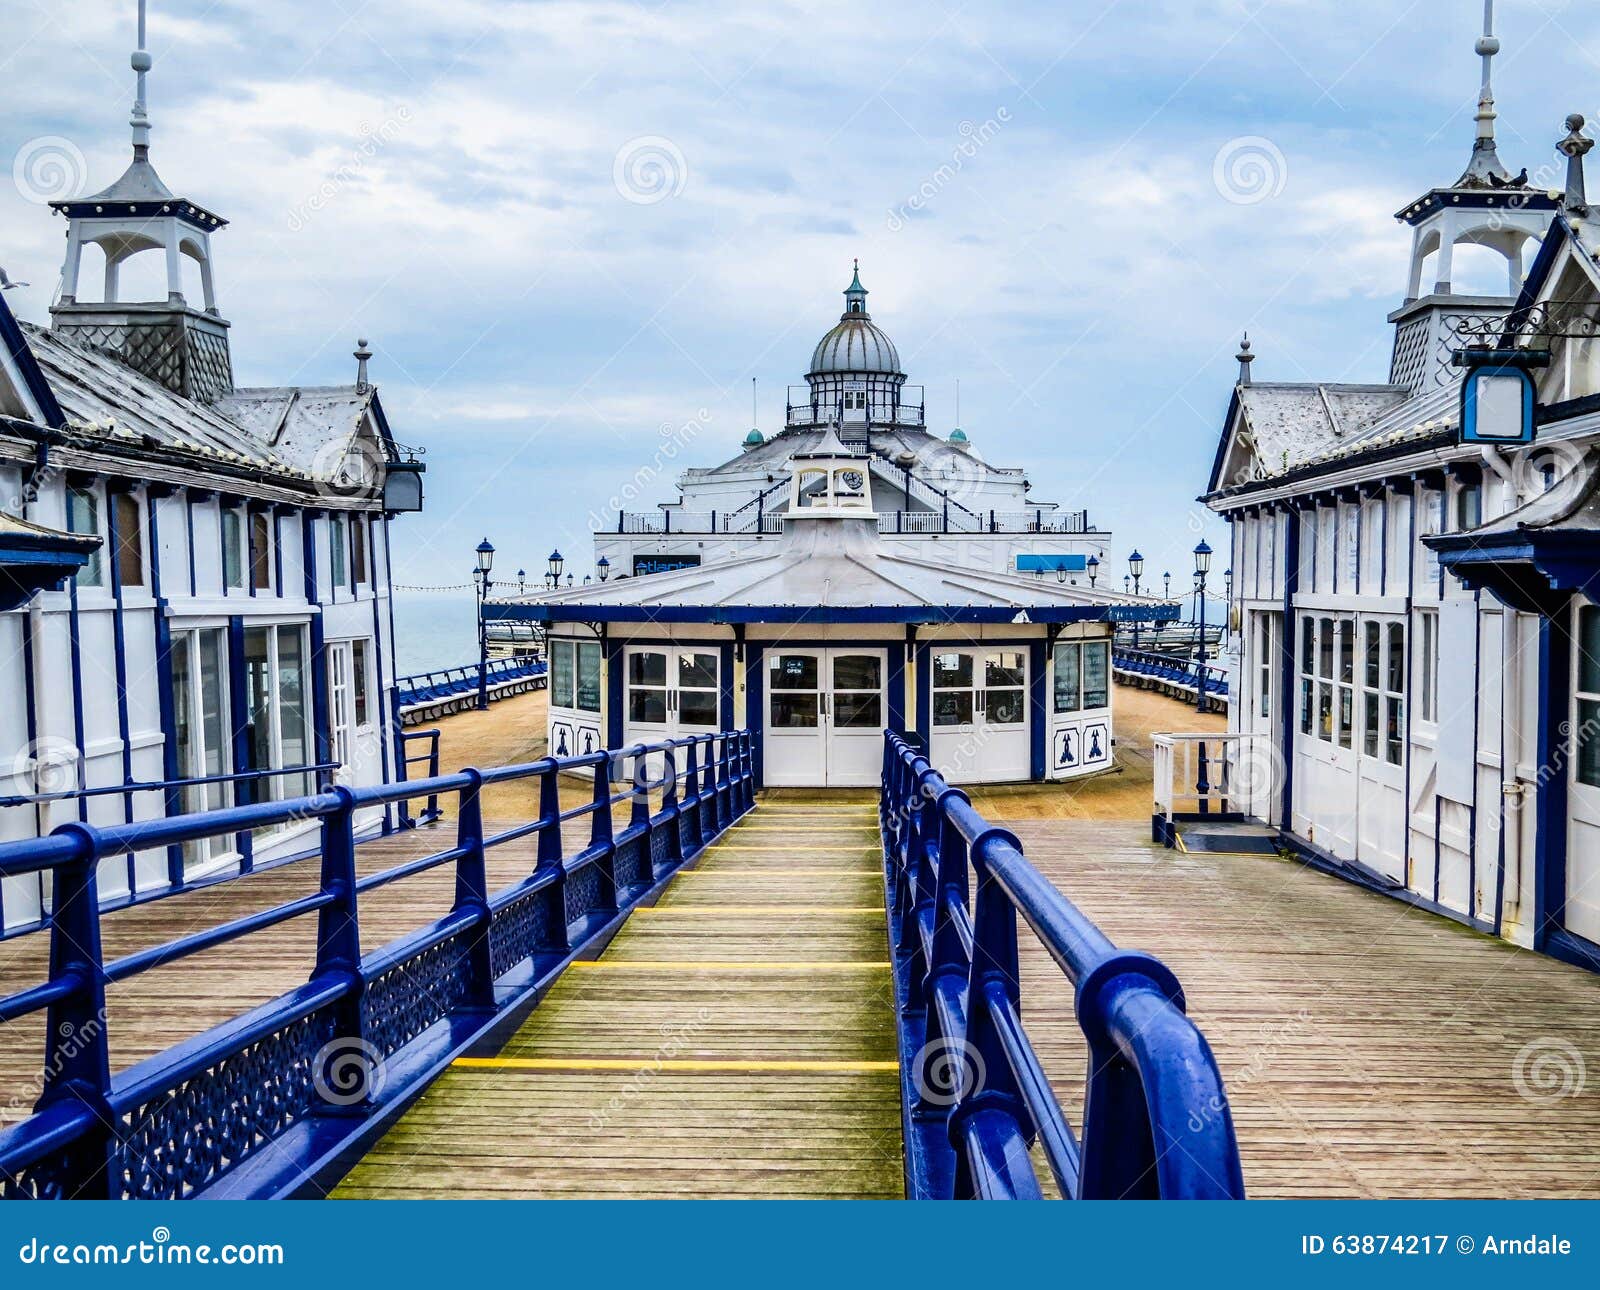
(93, 573)
(1585, 711)
(262, 548)
(234, 572)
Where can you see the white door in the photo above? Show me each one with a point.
(825, 717)
(671, 691)
(980, 714)
(341, 704)
(1325, 756)
(1583, 830)
(1380, 745)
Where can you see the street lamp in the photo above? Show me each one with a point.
(1202, 566)
(1061, 574)
(522, 582)
(1094, 570)
(603, 568)
(480, 576)
(1227, 618)
(552, 575)
(1166, 586)
(1136, 568)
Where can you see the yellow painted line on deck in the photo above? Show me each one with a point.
(664, 1064)
(868, 872)
(758, 909)
(717, 965)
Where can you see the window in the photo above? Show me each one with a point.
(1469, 506)
(1428, 666)
(1587, 764)
(199, 679)
(260, 551)
(1081, 676)
(336, 550)
(1394, 692)
(1372, 689)
(1347, 677)
(83, 516)
(279, 728)
(232, 548)
(1308, 674)
(363, 671)
(575, 675)
(130, 540)
(358, 551)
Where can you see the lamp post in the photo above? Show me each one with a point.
(1227, 617)
(522, 582)
(480, 576)
(603, 568)
(1166, 586)
(1202, 566)
(1136, 568)
(1094, 570)
(552, 574)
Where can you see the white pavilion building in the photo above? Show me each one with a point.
(936, 498)
(829, 631)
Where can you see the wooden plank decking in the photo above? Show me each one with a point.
(1369, 1049)
(734, 1040)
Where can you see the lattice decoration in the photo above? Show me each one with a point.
(583, 890)
(628, 864)
(404, 1001)
(517, 930)
(192, 1134)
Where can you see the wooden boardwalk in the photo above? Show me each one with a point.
(1369, 1049)
(734, 1040)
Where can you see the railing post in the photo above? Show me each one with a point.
(346, 1071)
(691, 794)
(550, 858)
(993, 981)
(670, 809)
(77, 1062)
(602, 836)
(472, 893)
(1119, 1159)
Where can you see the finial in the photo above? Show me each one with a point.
(362, 354)
(1575, 145)
(1487, 47)
(1245, 358)
(140, 120)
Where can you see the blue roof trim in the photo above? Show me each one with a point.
(1222, 445)
(927, 615)
(17, 345)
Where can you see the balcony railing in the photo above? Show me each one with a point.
(906, 409)
(954, 519)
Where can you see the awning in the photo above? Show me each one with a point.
(34, 558)
(1536, 557)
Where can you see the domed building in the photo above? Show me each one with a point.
(931, 488)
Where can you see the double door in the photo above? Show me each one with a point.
(671, 691)
(825, 716)
(980, 714)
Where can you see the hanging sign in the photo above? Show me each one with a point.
(1498, 395)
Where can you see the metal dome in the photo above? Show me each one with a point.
(855, 345)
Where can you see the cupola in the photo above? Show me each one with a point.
(830, 481)
(181, 343)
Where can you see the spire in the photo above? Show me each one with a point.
(362, 355)
(855, 295)
(1245, 358)
(1485, 170)
(140, 120)
(1576, 145)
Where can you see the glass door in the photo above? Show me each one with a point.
(696, 695)
(853, 716)
(980, 713)
(199, 700)
(796, 750)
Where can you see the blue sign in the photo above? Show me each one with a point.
(644, 564)
(1050, 563)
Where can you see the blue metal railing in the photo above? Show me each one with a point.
(1156, 1122)
(428, 757)
(312, 1071)
(1171, 672)
(460, 684)
(166, 785)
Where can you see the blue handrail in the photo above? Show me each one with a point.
(163, 785)
(1156, 1116)
(197, 1117)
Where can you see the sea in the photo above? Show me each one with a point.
(434, 630)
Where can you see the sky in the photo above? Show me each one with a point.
(574, 232)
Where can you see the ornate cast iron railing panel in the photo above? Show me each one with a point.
(976, 1099)
(180, 1123)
